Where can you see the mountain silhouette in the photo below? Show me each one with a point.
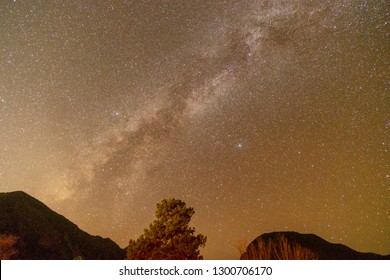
(44, 234)
(311, 246)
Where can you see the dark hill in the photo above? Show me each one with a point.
(44, 234)
(311, 243)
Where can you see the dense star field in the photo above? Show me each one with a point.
(261, 115)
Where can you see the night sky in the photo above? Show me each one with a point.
(261, 115)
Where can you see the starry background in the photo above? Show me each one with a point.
(262, 115)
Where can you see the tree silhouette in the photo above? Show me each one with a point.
(169, 237)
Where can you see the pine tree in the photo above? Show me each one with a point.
(169, 237)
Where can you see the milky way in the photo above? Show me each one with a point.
(262, 115)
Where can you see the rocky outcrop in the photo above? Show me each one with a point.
(44, 234)
(294, 245)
